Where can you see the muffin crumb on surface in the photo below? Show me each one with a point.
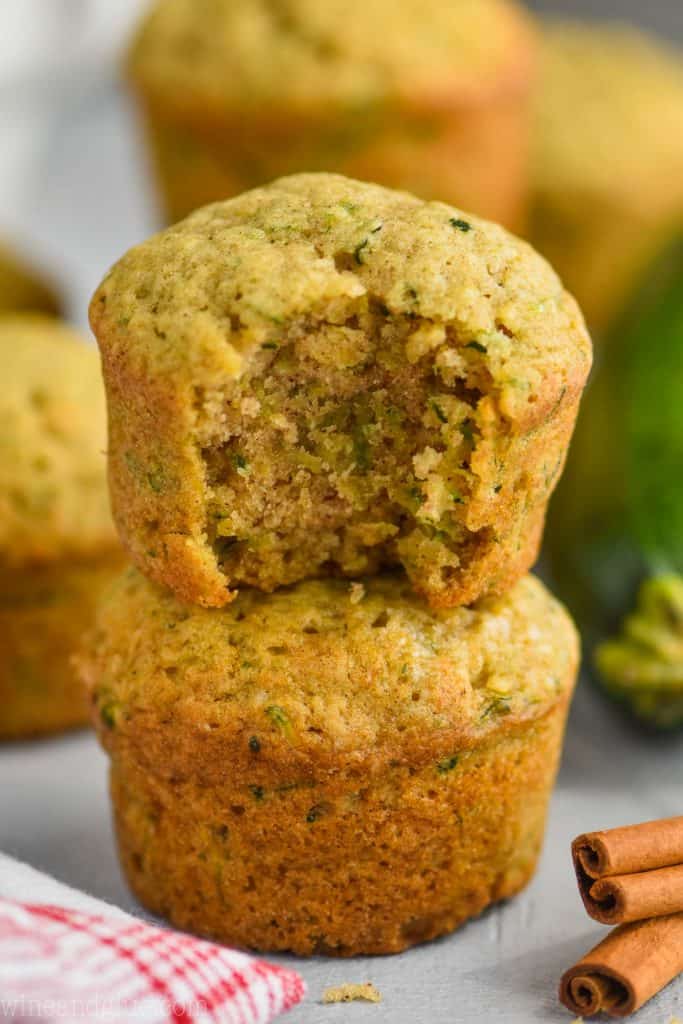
(350, 992)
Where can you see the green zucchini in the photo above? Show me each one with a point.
(615, 530)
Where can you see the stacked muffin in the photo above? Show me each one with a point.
(435, 98)
(332, 699)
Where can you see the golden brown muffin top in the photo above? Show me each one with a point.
(206, 294)
(610, 113)
(20, 288)
(53, 494)
(327, 669)
(227, 53)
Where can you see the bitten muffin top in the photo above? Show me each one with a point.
(205, 295)
(53, 493)
(610, 112)
(324, 375)
(326, 669)
(20, 288)
(306, 52)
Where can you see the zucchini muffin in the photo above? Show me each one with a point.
(21, 289)
(434, 97)
(608, 164)
(276, 764)
(57, 540)
(324, 376)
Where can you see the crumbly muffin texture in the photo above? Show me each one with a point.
(602, 205)
(276, 763)
(20, 287)
(326, 376)
(327, 669)
(53, 493)
(341, 51)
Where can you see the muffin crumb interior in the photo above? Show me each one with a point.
(349, 992)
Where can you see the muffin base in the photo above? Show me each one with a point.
(340, 863)
(43, 613)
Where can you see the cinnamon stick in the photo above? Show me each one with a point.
(626, 969)
(626, 898)
(628, 874)
(621, 851)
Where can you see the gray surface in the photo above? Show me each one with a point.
(82, 200)
(504, 967)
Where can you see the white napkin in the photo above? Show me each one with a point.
(66, 957)
(23, 884)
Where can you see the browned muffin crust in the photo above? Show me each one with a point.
(351, 864)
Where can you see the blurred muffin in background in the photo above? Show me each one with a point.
(434, 97)
(57, 541)
(21, 289)
(608, 158)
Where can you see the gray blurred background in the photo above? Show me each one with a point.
(666, 16)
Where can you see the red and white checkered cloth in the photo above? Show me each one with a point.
(73, 965)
